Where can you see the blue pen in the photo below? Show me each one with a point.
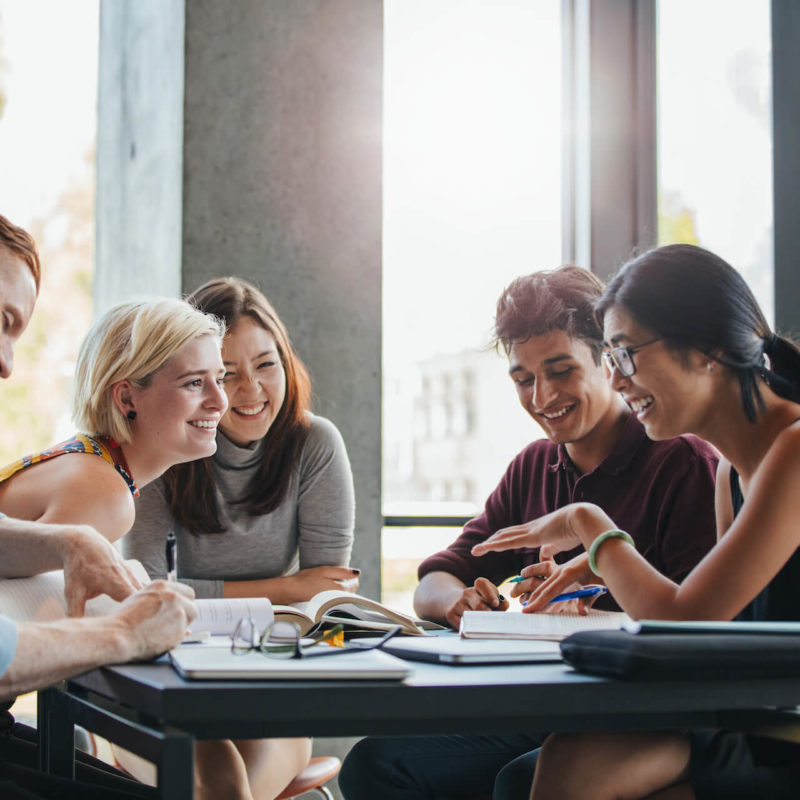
(589, 591)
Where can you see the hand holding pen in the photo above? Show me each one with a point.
(483, 595)
(539, 584)
(587, 591)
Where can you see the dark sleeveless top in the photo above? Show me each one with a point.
(780, 599)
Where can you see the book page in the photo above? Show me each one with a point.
(220, 615)
(360, 607)
(516, 625)
(295, 613)
(380, 623)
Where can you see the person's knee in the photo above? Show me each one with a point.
(365, 770)
(561, 769)
(561, 747)
(516, 778)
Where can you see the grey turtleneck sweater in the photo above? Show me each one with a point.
(312, 527)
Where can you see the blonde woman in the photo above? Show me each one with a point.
(148, 395)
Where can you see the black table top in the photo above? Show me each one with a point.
(432, 699)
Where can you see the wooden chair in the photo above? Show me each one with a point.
(313, 777)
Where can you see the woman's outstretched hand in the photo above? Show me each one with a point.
(563, 529)
(553, 529)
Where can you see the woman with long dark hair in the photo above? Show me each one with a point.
(691, 352)
(271, 513)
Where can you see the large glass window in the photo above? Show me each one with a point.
(472, 175)
(48, 97)
(714, 133)
(48, 90)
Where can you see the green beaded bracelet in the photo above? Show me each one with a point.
(603, 537)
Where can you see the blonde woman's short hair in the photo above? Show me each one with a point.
(131, 341)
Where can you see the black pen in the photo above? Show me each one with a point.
(172, 544)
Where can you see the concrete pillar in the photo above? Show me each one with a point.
(609, 181)
(786, 163)
(244, 137)
(139, 150)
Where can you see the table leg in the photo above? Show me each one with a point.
(176, 768)
(56, 735)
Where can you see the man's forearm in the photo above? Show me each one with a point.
(47, 652)
(29, 548)
(435, 595)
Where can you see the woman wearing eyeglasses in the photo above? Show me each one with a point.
(690, 351)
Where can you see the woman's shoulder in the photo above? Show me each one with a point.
(91, 475)
(73, 490)
(785, 448)
(322, 432)
(47, 470)
(779, 465)
(323, 447)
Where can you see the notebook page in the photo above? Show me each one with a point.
(220, 615)
(516, 625)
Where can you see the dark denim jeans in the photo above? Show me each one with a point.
(440, 767)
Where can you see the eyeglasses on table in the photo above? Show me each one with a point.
(284, 640)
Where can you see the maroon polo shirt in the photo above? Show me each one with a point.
(662, 493)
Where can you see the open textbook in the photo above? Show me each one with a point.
(554, 627)
(41, 599)
(335, 606)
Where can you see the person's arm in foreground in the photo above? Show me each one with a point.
(752, 551)
(92, 566)
(147, 624)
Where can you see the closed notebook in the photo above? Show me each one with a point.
(553, 627)
(197, 661)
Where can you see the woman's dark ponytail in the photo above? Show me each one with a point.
(783, 373)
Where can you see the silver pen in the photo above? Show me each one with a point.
(172, 545)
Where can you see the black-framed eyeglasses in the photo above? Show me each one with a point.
(284, 640)
(621, 358)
